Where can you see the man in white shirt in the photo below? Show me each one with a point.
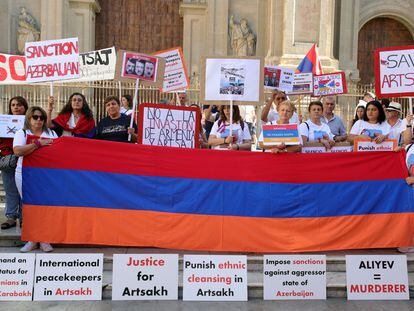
(393, 113)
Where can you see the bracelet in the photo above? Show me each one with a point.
(37, 143)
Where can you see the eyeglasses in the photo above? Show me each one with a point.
(37, 117)
(280, 98)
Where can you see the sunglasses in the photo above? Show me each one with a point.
(280, 98)
(36, 117)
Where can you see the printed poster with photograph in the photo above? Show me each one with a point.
(302, 84)
(279, 78)
(329, 84)
(225, 79)
(139, 66)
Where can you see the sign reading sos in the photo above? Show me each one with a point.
(12, 69)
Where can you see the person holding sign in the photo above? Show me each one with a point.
(75, 118)
(220, 136)
(17, 106)
(314, 130)
(269, 114)
(373, 124)
(285, 111)
(32, 137)
(115, 127)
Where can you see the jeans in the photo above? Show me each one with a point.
(13, 201)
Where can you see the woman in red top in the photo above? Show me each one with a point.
(75, 119)
(17, 106)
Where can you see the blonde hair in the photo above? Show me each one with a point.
(29, 115)
(287, 103)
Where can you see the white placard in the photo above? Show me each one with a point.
(340, 149)
(292, 277)
(365, 145)
(68, 277)
(377, 277)
(215, 278)
(314, 149)
(175, 75)
(97, 65)
(329, 84)
(12, 69)
(280, 78)
(10, 124)
(145, 277)
(232, 79)
(16, 277)
(52, 60)
(302, 83)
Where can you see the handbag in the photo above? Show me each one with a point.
(8, 162)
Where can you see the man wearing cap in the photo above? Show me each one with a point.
(393, 112)
(334, 122)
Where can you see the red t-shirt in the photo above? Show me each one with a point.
(6, 146)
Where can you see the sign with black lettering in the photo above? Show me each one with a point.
(215, 278)
(68, 277)
(16, 277)
(145, 277)
(377, 277)
(394, 71)
(169, 126)
(294, 277)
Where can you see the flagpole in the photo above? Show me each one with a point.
(231, 120)
(134, 107)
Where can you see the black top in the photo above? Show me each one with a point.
(114, 129)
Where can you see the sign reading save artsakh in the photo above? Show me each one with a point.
(52, 60)
(394, 71)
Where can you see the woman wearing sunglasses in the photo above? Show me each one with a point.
(270, 114)
(34, 135)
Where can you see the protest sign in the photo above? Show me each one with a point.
(172, 126)
(68, 277)
(302, 84)
(97, 65)
(316, 147)
(225, 79)
(16, 277)
(215, 278)
(289, 277)
(145, 277)
(12, 69)
(394, 71)
(329, 84)
(175, 75)
(52, 60)
(361, 145)
(280, 133)
(278, 78)
(377, 277)
(10, 124)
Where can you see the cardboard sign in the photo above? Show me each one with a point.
(278, 78)
(377, 277)
(215, 278)
(10, 124)
(237, 79)
(314, 147)
(97, 65)
(175, 75)
(12, 69)
(145, 277)
(280, 133)
(52, 60)
(362, 145)
(68, 277)
(16, 277)
(171, 126)
(394, 71)
(290, 277)
(302, 84)
(329, 84)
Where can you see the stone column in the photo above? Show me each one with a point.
(54, 21)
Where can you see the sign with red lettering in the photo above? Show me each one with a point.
(215, 278)
(364, 145)
(68, 277)
(394, 71)
(377, 277)
(52, 60)
(145, 277)
(329, 84)
(171, 126)
(12, 69)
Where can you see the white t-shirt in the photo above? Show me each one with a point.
(275, 123)
(397, 129)
(274, 116)
(20, 139)
(223, 131)
(313, 131)
(126, 111)
(362, 127)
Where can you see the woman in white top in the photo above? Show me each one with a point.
(220, 137)
(126, 107)
(34, 135)
(313, 130)
(372, 126)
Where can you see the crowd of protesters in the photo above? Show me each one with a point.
(223, 128)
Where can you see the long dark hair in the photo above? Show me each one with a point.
(356, 114)
(21, 100)
(236, 115)
(381, 114)
(86, 111)
(129, 100)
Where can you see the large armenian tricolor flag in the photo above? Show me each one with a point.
(311, 62)
(96, 192)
